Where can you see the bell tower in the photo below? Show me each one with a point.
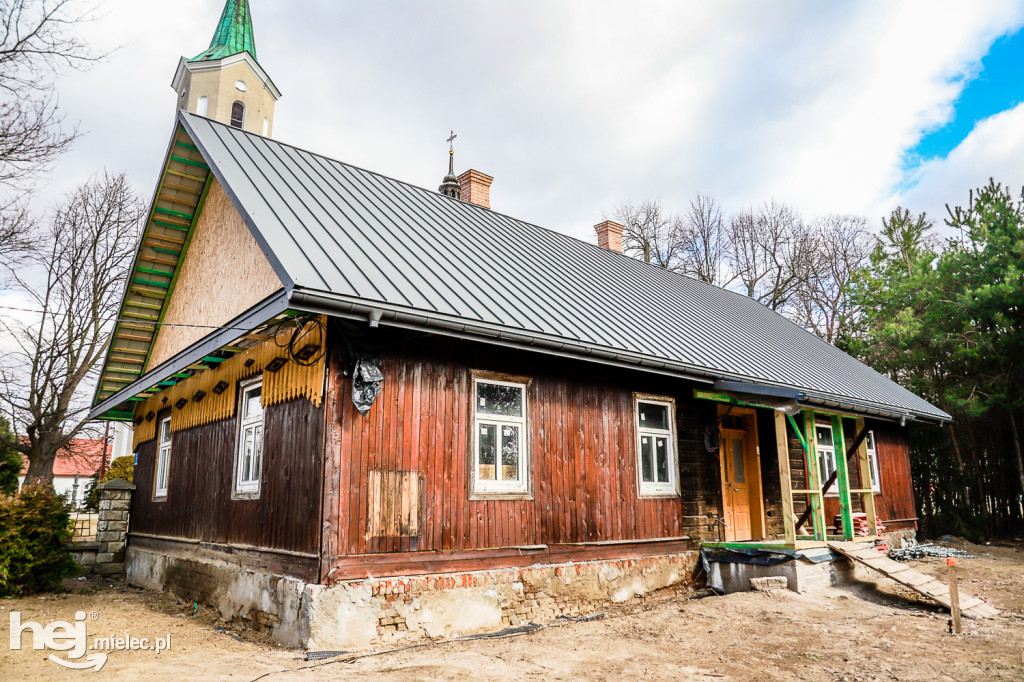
(226, 82)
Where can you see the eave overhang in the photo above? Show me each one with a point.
(185, 65)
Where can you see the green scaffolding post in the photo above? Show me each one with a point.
(842, 477)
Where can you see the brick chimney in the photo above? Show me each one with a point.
(475, 187)
(609, 235)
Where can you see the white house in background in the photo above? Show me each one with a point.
(122, 445)
(75, 466)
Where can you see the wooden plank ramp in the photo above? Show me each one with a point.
(937, 591)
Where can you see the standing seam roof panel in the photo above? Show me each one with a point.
(427, 252)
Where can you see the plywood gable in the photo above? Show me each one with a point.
(224, 274)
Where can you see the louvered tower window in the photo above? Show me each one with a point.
(237, 114)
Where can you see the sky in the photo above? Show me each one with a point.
(577, 106)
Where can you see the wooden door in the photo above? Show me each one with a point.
(736, 486)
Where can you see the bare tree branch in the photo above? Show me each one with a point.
(650, 234)
(704, 242)
(81, 268)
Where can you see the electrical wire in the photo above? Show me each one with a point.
(132, 321)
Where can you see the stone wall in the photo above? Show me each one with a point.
(106, 555)
(373, 612)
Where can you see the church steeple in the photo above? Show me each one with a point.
(225, 82)
(234, 33)
(450, 185)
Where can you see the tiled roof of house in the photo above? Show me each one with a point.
(83, 456)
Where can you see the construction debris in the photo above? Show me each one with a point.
(921, 551)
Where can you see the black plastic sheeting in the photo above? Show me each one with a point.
(757, 555)
(366, 383)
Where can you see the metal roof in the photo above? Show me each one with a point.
(346, 239)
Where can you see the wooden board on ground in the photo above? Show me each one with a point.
(970, 606)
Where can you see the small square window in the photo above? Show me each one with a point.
(499, 438)
(249, 456)
(656, 453)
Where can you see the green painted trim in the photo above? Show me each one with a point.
(150, 283)
(842, 478)
(163, 250)
(190, 162)
(176, 214)
(210, 358)
(171, 225)
(151, 271)
(767, 544)
(112, 416)
(792, 422)
(185, 145)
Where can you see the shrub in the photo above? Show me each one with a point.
(10, 462)
(35, 528)
(122, 467)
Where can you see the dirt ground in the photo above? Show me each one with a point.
(864, 631)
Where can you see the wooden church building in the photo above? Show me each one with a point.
(364, 410)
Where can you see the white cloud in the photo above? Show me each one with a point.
(993, 149)
(572, 106)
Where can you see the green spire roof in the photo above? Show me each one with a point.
(234, 33)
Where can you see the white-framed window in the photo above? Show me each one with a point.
(163, 458)
(876, 478)
(826, 453)
(202, 105)
(249, 458)
(655, 447)
(499, 437)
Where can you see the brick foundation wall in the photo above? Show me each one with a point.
(538, 594)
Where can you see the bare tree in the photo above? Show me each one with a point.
(37, 42)
(843, 245)
(80, 271)
(771, 253)
(704, 242)
(650, 234)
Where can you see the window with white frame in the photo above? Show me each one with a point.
(656, 458)
(249, 460)
(826, 451)
(163, 458)
(499, 442)
(876, 479)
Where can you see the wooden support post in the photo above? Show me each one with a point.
(865, 476)
(843, 477)
(814, 477)
(782, 447)
(954, 596)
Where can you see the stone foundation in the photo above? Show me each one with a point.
(373, 612)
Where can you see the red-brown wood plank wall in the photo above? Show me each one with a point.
(581, 435)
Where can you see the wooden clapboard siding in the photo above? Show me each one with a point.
(581, 438)
(286, 516)
(896, 500)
